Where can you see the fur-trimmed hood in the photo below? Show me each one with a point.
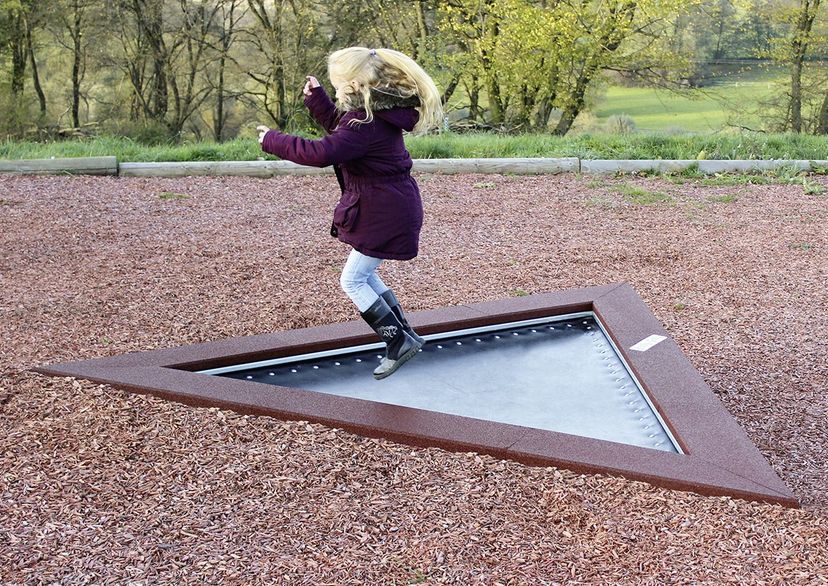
(388, 105)
(381, 99)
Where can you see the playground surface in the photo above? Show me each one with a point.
(102, 486)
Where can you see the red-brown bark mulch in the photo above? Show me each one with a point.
(98, 486)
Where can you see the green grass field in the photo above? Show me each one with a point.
(641, 145)
(736, 99)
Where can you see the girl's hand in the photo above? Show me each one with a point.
(262, 130)
(309, 85)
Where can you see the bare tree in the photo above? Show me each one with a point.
(187, 58)
(74, 31)
(15, 40)
(232, 13)
(30, 17)
(144, 56)
(287, 35)
(799, 49)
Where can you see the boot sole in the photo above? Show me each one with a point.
(399, 362)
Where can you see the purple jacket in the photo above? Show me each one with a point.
(380, 212)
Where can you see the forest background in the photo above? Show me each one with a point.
(172, 71)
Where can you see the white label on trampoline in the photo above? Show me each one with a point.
(648, 343)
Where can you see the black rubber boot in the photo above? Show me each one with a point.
(400, 347)
(392, 302)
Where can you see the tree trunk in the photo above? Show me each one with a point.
(422, 31)
(492, 85)
(228, 25)
(151, 25)
(273, 28)
(822, 120)
(566, 121)
(474, 99)
(450, 88)
(544, 112)
(799, 46)
(546, 104)
(218, 123)
(796, 95)
(609, 43)
(41, 97)
(77, 55)
(20, 55)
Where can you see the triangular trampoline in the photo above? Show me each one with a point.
(583, 379)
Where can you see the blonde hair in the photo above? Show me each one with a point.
(356, 71)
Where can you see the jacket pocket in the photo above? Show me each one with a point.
(346, 211)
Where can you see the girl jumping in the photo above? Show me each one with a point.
(380, 93)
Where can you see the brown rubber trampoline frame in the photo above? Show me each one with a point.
(719, 459)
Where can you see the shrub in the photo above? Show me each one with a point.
(620, 124)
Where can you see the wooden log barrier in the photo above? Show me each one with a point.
(69, 166)
(238, 168)
(519, 166)
(599, 166)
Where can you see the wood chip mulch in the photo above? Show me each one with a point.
(99, 486)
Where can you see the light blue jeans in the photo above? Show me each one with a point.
(359, 280)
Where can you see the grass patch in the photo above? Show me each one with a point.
(650, 145)
(519, 293)
(691, 171)
(812, 187)
(722, 198)
(802, 246)
(171, 196)
(640, 196)
(795, 176)
(725, 180)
